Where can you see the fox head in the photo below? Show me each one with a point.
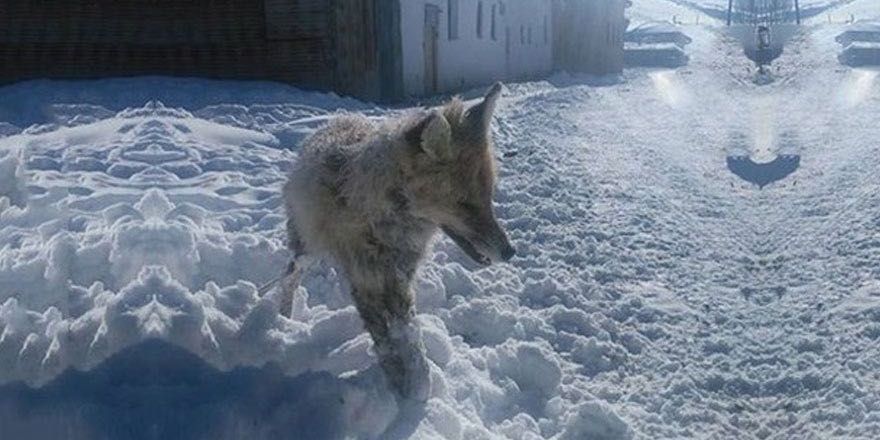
(450, 173)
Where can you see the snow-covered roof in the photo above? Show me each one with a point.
(652, 47)
(657, 32)
(860, 31)
(654, 27)
(863, 45)
(864, 26)
(804, 4)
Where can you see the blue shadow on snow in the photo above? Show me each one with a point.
(159, 391)
(763, 174)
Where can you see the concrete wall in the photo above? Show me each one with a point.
(471, 60)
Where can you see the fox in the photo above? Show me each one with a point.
(370, 196)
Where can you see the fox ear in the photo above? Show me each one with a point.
(433, 135)
(480, 115)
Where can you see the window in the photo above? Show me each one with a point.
(494, 34)
(480, 20)
(452, 11)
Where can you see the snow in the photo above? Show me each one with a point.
(655, 294)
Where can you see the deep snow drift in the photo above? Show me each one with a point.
(655, 294)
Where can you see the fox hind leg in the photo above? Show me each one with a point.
(291, 281)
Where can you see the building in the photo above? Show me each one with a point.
(656, 44)
(372, 49)
(860, 31)
(657, 32)
(321, 44)
(449, 45)
(861, 44)
(589, 35)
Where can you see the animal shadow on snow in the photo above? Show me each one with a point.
(156, 390)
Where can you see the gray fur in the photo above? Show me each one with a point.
(371, 195)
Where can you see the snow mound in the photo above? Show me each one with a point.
(157, 223)
(596, 421)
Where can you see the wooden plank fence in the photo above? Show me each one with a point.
(286, 40)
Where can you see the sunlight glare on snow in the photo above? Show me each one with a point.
(858, 87)
(764, 115)
(669, 88)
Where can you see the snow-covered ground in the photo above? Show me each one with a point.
(655, 295)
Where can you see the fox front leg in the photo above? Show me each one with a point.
(388, 315)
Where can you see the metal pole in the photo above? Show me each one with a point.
(797, 11)
(729, 11)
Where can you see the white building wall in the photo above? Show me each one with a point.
(470, 60)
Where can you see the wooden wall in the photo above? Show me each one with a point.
(326, 44)
(355, 50)
(588, 35)
(299, 36)
(71, 39)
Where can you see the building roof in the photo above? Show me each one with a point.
(654, 27)
(858, 31)
(657, 31)
(864, 26)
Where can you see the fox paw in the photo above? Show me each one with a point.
(405, 364)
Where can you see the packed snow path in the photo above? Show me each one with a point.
(654, 295)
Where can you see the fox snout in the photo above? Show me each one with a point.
(494, 243)
(485, 245)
